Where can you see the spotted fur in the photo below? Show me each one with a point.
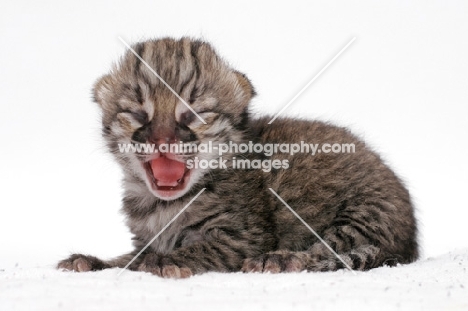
(353, 201)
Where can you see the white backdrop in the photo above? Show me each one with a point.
(402, 85)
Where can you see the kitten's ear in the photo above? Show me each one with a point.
(245, 85)
(102, 89)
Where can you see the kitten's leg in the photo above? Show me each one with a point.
(361, 258)
(318, 258)
(220, 252)
(365, 236)
(165, 266)
(84, 263)
(350, 235)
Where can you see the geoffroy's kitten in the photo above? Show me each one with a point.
(351, 199)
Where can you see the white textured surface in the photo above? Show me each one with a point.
(432, 284)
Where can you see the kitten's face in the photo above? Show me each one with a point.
(138, 108)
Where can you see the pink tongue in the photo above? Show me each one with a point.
(167, 172)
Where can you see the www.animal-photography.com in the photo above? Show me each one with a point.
(234, 156)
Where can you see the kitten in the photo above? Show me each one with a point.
(352, 200)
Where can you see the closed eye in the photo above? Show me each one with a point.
(188, 117)
(208, 116)
(140, 116)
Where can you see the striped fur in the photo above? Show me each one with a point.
(353, 201)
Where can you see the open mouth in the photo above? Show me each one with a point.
(168, 177)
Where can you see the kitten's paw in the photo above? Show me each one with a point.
(163, 267)
(274, 263)
(82, 263)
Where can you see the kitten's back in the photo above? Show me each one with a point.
(352, 190)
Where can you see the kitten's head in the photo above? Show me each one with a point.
(139, 108)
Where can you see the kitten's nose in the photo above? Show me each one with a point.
(169, 140)
(165, 146)
(163, 135)
(166, 140)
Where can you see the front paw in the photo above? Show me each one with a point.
(164, 267)
(82, 263)
(274, 263)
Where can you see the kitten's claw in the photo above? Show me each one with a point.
(175, 272)
(274, 263)
(253, 264)
(82, 263)
(163, 267)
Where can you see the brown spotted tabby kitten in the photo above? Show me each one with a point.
(352, 200)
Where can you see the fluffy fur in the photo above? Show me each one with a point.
(352, 200)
